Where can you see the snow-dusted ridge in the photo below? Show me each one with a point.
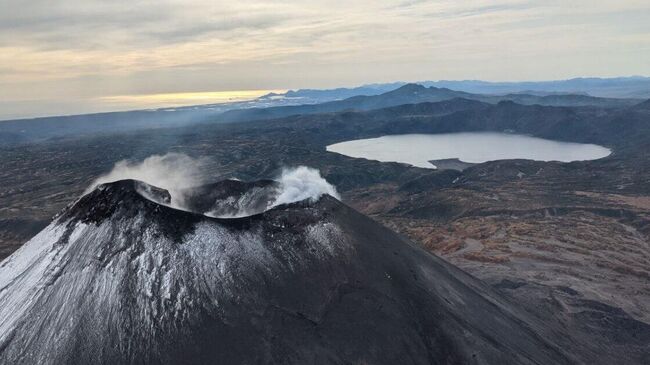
(118, 256)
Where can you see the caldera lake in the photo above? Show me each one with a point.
(473, 147)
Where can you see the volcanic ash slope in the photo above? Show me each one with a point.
(117, 278)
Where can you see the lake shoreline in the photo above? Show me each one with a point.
(457, 151)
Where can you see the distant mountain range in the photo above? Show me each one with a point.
(310, 101)
(322, 95)
(616, 87)
(416, 93)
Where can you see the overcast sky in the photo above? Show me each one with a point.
(58, 55)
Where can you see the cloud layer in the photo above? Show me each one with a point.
(97, 48)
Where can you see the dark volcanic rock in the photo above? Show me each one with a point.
(437, 180)
(645, 105)
(451, 164)
(118, 278)
(231, 198)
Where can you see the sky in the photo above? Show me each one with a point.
(76, 56)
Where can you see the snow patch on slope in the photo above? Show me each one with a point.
(81, 283)
(26, 272)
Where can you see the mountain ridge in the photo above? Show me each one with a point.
(38, 129)
(413, 94)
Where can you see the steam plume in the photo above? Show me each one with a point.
(172, 171)
(302, 183)
(177, 173)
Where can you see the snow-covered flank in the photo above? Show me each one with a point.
(326, 236)
(118, 279)
(123, 282)
(300, 183)
(23, 273)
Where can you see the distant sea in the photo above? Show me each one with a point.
(19, 109)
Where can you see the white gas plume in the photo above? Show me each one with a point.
(300, 183)
(176, 173)
(172, 171)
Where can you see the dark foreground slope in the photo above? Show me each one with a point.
(117, 278)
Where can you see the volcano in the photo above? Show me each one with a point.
(118, 277)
